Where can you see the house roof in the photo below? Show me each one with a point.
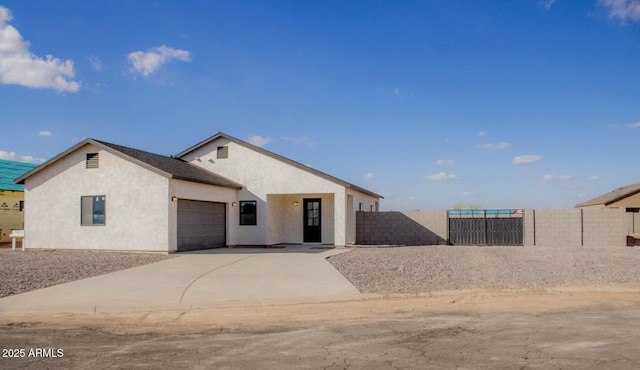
(612, 196)
(280, 158)
(9, 170)
(169, 167)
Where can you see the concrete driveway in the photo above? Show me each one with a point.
(212, 278)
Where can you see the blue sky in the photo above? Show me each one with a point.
(503, 104)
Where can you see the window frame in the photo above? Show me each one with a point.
(241, 212)
(222, 150)
(93, 210)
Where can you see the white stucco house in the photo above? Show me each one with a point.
(220, 192)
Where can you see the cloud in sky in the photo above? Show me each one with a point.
(441, 176)
(525, 159)
(96, 63)
(369, 175)
(623, 10)
(467, 193)
(45, 133)
(12, 156)
(548, 3)
(595, 178)
(445, 162)
(482, 134)
(555, 178)
(18, 66)
(300, 140)
(634, 125)
(498, 146)
(258, 140)
(147, 62)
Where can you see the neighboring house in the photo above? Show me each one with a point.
(627, 197)
(11, 197)
(220, 192)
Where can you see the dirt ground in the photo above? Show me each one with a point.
(569, 328)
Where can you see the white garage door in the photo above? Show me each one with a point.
(201, 225)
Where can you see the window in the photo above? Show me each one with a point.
(93, 160)
(361, 206)
(248, 212)
(93, 210)
(371, 208)
(223, 152)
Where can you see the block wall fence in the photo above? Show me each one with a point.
(572, 227)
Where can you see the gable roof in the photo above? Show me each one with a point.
(612, 196)
(280, 158)
(169, 167)
(9, 170)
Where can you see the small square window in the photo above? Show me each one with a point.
(92, 209)
(93, 160)
(223, 152)
(248, 212)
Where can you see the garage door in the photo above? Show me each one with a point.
(201, 225)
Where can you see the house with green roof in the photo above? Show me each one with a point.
(11, 197)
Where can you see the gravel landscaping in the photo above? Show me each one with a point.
(35, 269)
(436, 268)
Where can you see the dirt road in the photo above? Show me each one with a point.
(585, 328)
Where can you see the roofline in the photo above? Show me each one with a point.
(588, 203)
(280, 158)
(20, 180)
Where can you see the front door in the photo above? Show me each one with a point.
(312, 232)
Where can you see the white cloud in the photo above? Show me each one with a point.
(96, 63)
(300, 140)
(45, 133)
(634, 125)
(369, 175)
(18, 66)
(258, 140)
(548, 3)
(555, 178)
(147, 62)
(595, 178)
(482, 134)
(623, 10)
(498, 146)
(396, 91)
(12, 156)
(445, 162)
(441, 176)
(467, 193)
(525, 159)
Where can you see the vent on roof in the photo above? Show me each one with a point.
(93, 160)
(223, 152)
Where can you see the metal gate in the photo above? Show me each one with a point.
(486, 227)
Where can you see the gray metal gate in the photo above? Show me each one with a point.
(486, 227)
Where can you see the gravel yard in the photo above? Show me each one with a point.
(35, 269)
(436, 268)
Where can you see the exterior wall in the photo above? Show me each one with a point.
(606, 227)
(262, 176)
(285, 220)
(354, 198)
(558, 227)
(632, 201)
(10, 214)
(137, 202)
(634, 223)
(402, 228)
(208, 193)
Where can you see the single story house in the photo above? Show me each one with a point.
(220, 192)
(11, 197)
(627, 197)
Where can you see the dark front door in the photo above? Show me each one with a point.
(312, 214)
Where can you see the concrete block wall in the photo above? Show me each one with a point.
(556, 227)
(401, 228)
(604, 227)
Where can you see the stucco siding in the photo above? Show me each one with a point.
(208, 193)
(263, 176)
(632, 201)
(137, 202)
